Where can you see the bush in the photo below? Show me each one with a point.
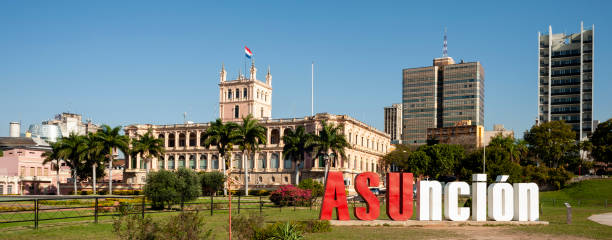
(315, 226)
(184, 226)
(262, 192)
(246, 227)
(134, 227)
(315, 187)
(187, 185)
(290, 195)
(211, 182)
(161, 188)
(285, 231)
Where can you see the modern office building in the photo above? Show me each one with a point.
(565, 81)
(440, 96)
(268, 168)
(393, 122)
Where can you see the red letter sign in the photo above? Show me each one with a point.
(399, 196)
(334, 197)
(362, 188)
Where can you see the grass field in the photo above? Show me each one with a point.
(580, 228)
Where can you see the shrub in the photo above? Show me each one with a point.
(187, 185)
(246, 227)
(262, 192)
(134, 226)
(184, 226)
(285, 231)
(315, 226)
(211, 182)
(161, 188)
(290, 195)
(315, 187)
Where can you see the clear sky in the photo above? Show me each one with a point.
(125, 62)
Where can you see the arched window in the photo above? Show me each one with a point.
(202, 138)
(192, 161)
(215, 162)
(237, 93)
(203, 162)
(250, 161)
(321, 161)
(237, 161)
(275, 136)
(236, 111)
(162, 137)
(171, 162)
(229, 94)
(171, 140)
(192, 139)
(287, 163)
(182, 140)
(244, 94)
(181, 161)
(257, 93)
(160, 163)
(274, 161)
(262, 161)
(350, 137)
(286, 131)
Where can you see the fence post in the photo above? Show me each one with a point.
(143, 206)
(569, 213)
(96, 211)
(238, 204)
(211, 204)
(36, 213)
(606, 203)
(260, 205)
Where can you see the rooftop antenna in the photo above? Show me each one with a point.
(445, 48)
(312, 89)
(184, 117)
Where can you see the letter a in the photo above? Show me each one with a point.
(399, 196)
(334, 197)
(361, 186)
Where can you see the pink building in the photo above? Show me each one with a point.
(22, 170)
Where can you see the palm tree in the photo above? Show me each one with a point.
(148, 147)
(296, 144)
(330, 139)
(250, 135)
(69, 150)
(1, 153)
(223, 136)
(92, 153)
(112, 140)
(53, 155)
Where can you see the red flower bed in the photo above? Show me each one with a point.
(289, 195)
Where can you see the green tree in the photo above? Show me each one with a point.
(111, 140)
(551, 141)
(70, 150)
(148, 147)
(443, 159)
(160, 188)
(601, 142)
(92, 153)
(211, 182)
(250, 135)
(223, 136)
(295, 146)
(517, 149)
(330, 139)
(315, 187)
(187, 185)
(54, 155)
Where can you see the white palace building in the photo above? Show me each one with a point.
(243, 96)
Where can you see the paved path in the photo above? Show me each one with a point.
(605, 218)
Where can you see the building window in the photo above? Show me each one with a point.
(321, 161)
(192, 139)
(244, 94)
(182, 140)
(46, 170)
(237, 161)
(181, 162)
(262, 161)
(192, 161)
(160, 163)
(275, 138)
(237, 93)
(32, 171)
(162, 137)
(23, 171)
(215, 162)
(287, 162)
(274, 161)
(203, 161)
(262, 113)
(273, 179)
(171, 140)
(9, 189)
(229, 94)
(236, 111)
(1, 189)
(286, 179)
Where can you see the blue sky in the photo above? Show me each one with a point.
(124, 62)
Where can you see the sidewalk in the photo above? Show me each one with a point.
(605, 218)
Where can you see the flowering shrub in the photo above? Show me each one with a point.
(290, 195)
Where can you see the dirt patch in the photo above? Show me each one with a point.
(496, 232)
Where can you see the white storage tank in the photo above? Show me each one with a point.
(14, 129)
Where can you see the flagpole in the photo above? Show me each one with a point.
(312, 89)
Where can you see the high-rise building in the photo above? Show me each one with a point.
(565, 82)
(440, 96)
(393, 122)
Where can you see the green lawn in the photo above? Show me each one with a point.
(581, 227)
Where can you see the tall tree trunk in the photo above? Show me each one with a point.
(110, 174)
(95, 167)
(297, 172)
(74, 175)
(58, 178)
(246, 174)
(226, 175)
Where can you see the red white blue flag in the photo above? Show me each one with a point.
(247, 52)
